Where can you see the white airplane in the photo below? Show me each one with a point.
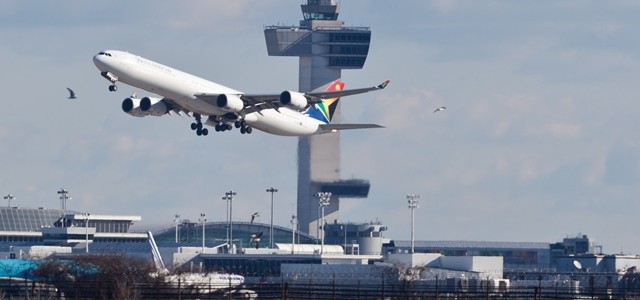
(288, 113)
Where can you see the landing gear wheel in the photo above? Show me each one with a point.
(205, 131)
(113, 88)
(228, 126)
(243, 130)
(238, 124)
(249, 130)
(194, 126)
(199, 132)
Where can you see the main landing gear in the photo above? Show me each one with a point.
(243, 127)
(220, 126)
(223, 127)
(197, 126)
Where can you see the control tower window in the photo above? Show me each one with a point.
(320, 16)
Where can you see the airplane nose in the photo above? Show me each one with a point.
(98, 60)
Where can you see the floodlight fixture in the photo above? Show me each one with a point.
(413, 201)
(203, 220)
(9, 197)
(271, 190)
(85, 217)
(323, 201)
(229, 196)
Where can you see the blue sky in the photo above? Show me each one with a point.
(539, 140)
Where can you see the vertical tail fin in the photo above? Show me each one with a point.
(325, 109)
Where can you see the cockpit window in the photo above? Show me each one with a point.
(104, 53)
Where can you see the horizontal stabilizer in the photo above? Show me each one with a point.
(335, 127)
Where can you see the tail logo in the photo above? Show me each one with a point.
(325, 109)
(328, 107)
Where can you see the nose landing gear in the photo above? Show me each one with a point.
(112, 78)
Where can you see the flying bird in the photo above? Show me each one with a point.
(72, 94)
(441, 108)
(255, 238)
(253, 216)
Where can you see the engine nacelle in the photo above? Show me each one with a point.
(293, 100)
(132, 106)
(153, 106)
(230, 103)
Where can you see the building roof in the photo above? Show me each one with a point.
(27, 219)
(471, 245)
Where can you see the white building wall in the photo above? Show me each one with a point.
(491, 267)
(414, 260)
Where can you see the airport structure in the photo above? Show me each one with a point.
(354, 252)
(351, 255)
(325, 47)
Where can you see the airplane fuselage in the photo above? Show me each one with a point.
(182, 87)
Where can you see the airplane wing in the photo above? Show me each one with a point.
(256, 102)
(317, 96)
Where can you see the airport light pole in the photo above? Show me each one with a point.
(203, 220)
(413, 204)
(176, 221)
(323, 201)
(229, 196)
(64, 196)
(226, 199)
(345, 238)
(9, 197)
(294, 222)
(86, 231)
(271, 190)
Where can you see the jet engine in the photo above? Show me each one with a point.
(230, 103)
(153, 106)
(131, 106)
(293, 100)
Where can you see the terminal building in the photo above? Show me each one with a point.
(350, 251)
(516, 255)
(58, 227)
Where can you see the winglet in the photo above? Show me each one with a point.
(384, 84)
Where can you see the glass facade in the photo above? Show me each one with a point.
(216, 233)
(253, 267)
(27, 219)
(25, 226)
(351, 37)
(320, 16)
(516, 255)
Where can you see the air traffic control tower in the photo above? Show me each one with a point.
(324, 47)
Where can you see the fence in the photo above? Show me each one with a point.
(100, 289)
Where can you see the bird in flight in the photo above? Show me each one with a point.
(72, 94)
(253, 216)
(440, 109)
